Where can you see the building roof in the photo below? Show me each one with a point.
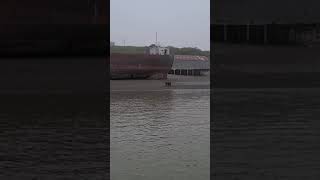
(191, 57)
(190, 62)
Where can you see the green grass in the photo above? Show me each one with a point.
(128, 49)
(173, 50)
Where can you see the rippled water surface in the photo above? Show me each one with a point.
(160, 134)
(53, 137)
(267, 134)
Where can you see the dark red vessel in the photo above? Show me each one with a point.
(53, 26)
(155, 63)
(140, 66)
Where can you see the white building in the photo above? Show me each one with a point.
(153, 49)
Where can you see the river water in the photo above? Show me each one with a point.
(160, 132)
(266, 134)
(53, 137)
(53, 118)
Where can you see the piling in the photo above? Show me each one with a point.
(168, 83)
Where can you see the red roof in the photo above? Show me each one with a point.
(191, 58)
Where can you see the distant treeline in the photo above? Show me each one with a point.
(128, 49)
(173, 50)
(189, 51)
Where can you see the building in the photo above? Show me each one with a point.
(266, 22)
(154, 49)
(190, 65)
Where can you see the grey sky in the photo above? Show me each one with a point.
(180, 23)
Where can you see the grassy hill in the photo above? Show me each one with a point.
(173, 50)
(128, 49)
(189, 51)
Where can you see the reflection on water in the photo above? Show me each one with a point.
(266, 134)
(53, 137)
(52, 118)
(160, 134)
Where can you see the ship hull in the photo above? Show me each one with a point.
(139, 66)
(37, 28)
(53, 40)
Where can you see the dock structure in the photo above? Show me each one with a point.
(189, 65)
(269, 33)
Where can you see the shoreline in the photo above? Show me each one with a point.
(178, 82)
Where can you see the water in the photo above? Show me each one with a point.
(159, 133)
(52, 118)
(266, 134)
(54, 137)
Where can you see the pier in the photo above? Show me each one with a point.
(189, 72)
(188, 65)
(270, 33)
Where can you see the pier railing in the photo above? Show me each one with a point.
(189, 72)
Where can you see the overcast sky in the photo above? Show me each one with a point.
(180, 23)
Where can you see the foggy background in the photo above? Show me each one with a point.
(179, 23)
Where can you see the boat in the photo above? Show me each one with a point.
(154, 64)
(53, 46)
(38, 27)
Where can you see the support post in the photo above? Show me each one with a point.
(248, 32)
(265, 34)
(225, 31)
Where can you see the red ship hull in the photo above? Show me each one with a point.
(38, 27)
(134, 66)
